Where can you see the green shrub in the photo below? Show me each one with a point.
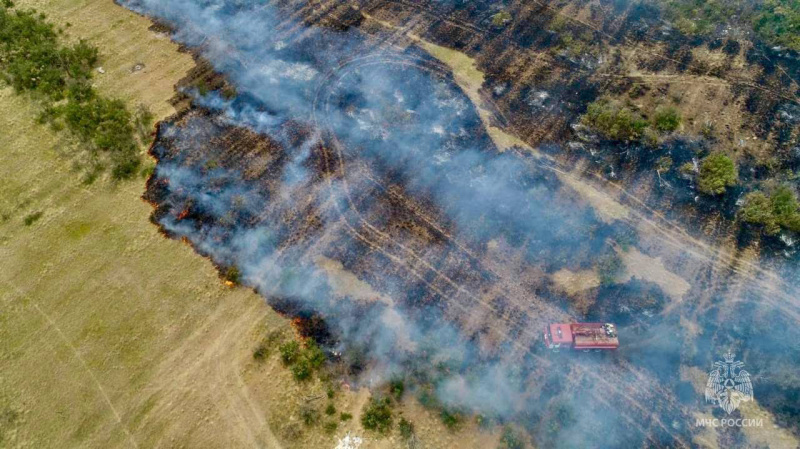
(427, 398)
(330, 427)
(664, 164)
(345, 416)
(610, 268)
(613, 122)
(717, 173)
(699, 17)
(406, 429)
(232, 274)
(510, 439)
(264, 348)
(314, 354)
(125, 166)
(330, 410)
(143, 122)
(32, 218)
(290, 352)
(781, 210)
(757, 209)
(708, 130)
(779, 23)
(396, 388)
(451, 419)
(501, 19)
(261, 352)
(302, 362)
(104, 123)
(229, 92)
(309, 415)
(147, 170)
(301, 369)
(377, 415)
(667, 119)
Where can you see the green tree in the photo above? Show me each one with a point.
(717, 173)
(667, 119)
(779, 23)
(780, 210)
(757, 209)
(613, 122)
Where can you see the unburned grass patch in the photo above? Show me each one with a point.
(35, 61)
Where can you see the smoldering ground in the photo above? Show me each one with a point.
(338, 149)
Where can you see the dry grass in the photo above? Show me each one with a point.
(105, 324)
(112, 335)
(102, 316)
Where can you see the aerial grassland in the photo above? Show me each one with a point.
(112, 335)
(105, 325)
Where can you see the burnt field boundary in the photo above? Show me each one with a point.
(367, 224)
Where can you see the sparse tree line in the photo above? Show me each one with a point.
(35, 61)
(618, 122)
(380, 416)
(777, 22)
(772, 210)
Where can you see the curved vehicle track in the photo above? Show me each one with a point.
(612, 378)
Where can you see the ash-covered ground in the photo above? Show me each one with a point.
(346, 150)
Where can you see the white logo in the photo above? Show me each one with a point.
(728, 385)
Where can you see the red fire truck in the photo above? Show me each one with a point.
(581, 336)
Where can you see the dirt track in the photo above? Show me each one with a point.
(481, 290)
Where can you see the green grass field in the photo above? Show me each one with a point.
(104, 323)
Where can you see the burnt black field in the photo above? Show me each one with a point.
(340, 147)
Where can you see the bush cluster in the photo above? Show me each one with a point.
(780, 210)
(614, 121)
(377, 415)
(699, 17)
(34, 61)
(406, 429)
(610, 268)
(302, 361)
(779, 23)
(510, 439)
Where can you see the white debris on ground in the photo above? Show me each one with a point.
(349, 442)
(101, 70)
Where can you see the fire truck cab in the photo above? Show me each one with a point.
(581, 336)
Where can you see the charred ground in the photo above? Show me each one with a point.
(476, 288)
